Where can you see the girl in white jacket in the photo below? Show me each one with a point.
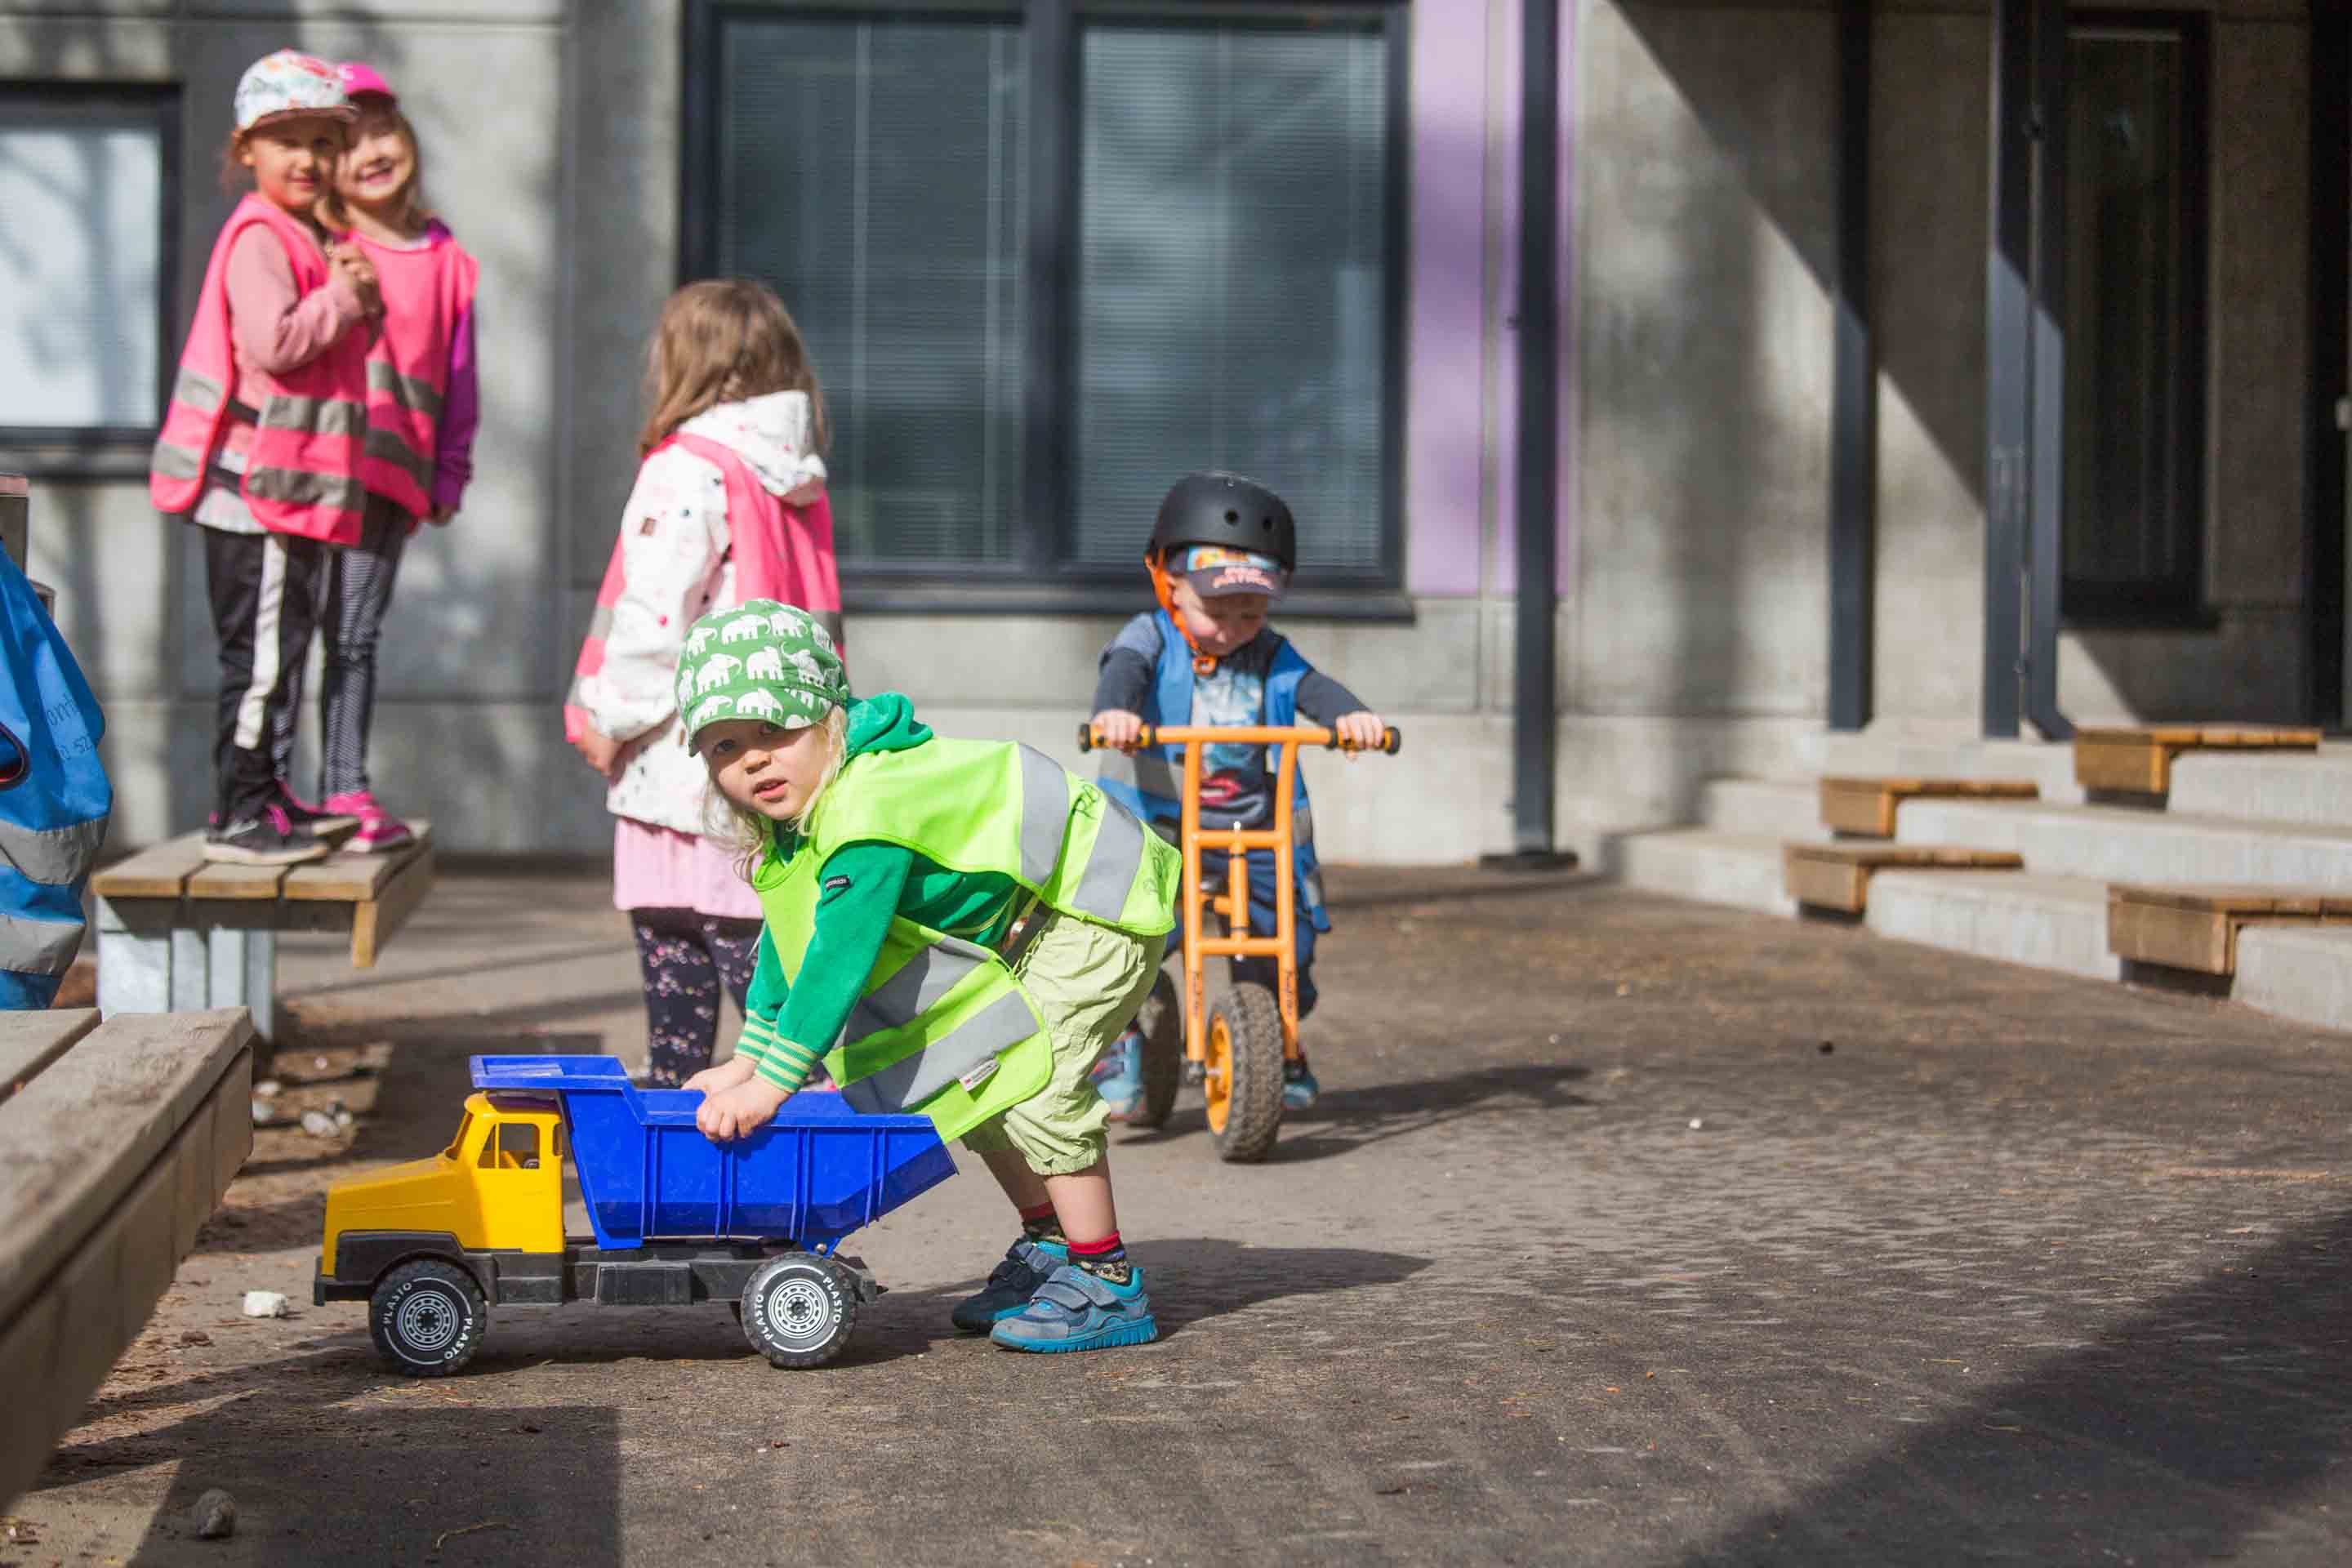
(728, 505)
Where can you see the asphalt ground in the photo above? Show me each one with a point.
(1627, 1231)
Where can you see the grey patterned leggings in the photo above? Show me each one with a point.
(354, 590)
(686, 957)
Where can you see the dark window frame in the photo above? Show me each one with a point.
(2178, 600)
(113, 451)
(1039, 578)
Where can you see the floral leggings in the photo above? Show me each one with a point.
(686, 957)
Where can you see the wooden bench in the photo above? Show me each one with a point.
(1865, 806)
(179, 933)
(115, 1141)
(1837, 876)
(2196, 927)
(2138, 761)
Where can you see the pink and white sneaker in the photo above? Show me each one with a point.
(379, 830)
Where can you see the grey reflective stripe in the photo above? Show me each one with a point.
(1111, 868)
(53, 856)
(1044, 815)
(296, 488)
(47, 947)
(319, 415)
(405, 390)
(197, 390)
(177, 462)
(1147, 771)
(388, 445)
(920, 985)
(1302, 828)
(910, 1080)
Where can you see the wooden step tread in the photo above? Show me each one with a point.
(1837, 876)
(1865, 804)
(2137, 759)
(2195, 926)
(172, 885)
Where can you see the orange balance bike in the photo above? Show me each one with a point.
(1236, 1049)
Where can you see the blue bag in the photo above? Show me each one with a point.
(54, 796)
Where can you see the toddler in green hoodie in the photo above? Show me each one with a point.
(892, 867)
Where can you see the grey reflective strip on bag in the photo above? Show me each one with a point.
(319, 415)
(1111, 868)
(408, 391)
(910, 1080)
(1147, 772)
(388, 445)
(177, 462)
(1044, 815)
(296, 488)
(52, 856)
(921, 983)
(46, 947)
(197, 390)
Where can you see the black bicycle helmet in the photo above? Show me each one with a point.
(1216, 508)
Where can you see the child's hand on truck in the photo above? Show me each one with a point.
(740, 1112)
(735, 1069)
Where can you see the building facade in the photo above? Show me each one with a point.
(1050, 255)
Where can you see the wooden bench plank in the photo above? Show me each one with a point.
(161, 871)
(31, 1041)
(353, 878)
(76, 1139)
(1866, 805)
(2195, 927)
(2138, 760)
(1837, 876)
(375, 922)
(235, 884)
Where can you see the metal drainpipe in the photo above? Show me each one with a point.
(1534, 723)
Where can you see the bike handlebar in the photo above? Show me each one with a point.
(1391, 739)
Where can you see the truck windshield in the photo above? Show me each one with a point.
(465, 1125)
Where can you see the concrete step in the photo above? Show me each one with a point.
(2051, 766)
(2125, 844)
(1742, 869)
(1774, 808)
(2265, 786)
(2019, 917)
(2303, 973)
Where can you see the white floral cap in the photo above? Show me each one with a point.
(289, 83)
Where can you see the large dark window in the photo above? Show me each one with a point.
(2135, 517)
(88, 222)
(1047, 260)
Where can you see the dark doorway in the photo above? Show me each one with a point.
(2327, 447)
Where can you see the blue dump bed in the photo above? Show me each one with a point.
(813, 1175)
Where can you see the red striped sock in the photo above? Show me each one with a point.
(1110, 1249)
(1039, 1223)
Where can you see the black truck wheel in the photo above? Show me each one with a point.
(799, 1311)
(427, 1318)
(1162, 1023)
(1244, 1085)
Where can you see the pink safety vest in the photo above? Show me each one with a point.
(302, 476)
(427, 293)
(781, 552)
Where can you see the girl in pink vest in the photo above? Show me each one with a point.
(729, 505)
(422, 411)
(264, 434)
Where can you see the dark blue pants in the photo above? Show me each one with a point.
(1263, 971)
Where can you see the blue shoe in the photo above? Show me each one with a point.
(1076, 1310)
(1027, 1265)
(1118, 1076)
(1299, 1087)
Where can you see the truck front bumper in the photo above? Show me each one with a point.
(326, 1288)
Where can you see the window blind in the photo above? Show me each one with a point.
(1231, 278)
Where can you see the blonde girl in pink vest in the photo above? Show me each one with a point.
(265, 433)
(729, 505)
(422, 411)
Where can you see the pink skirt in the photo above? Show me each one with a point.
(662, 869)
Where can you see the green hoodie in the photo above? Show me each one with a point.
(787, 1028)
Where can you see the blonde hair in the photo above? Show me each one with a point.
(746, 832)
(413, 214)
(721, 340)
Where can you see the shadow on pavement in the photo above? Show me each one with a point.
(2171, 1438)
(1345, 1120)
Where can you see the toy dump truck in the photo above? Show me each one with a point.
(677, 1219)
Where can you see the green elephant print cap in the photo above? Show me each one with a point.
(759, 660)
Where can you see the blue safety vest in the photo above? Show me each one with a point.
(54, 797)
(1148, 783)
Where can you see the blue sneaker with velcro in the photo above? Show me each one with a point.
(1076, 1310)
(1027, 1265)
